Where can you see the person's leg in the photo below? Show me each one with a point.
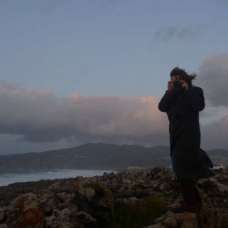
(191, 196)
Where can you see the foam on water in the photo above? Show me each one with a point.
(9, 178)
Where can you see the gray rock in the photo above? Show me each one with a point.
(2, 215)
(85, 217)
(3, 226)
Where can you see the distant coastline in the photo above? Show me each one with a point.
(10, 178)
(96, 156)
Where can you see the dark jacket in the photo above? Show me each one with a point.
(182, 108)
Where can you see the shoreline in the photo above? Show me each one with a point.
(7, 179)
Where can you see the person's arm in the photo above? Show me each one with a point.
(194, 97)
(168, 99)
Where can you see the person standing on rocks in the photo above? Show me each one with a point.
(182, 102)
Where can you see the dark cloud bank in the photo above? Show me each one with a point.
(41, 116)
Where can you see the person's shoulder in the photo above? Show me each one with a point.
(197, 88)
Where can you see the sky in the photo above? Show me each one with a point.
(79, 71)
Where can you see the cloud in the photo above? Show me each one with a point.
(41, 116)
(214, 135)
(212, 114)
(169, 33)
(213, 76)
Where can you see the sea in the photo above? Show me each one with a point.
(9, 178)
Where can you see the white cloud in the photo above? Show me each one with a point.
(40, 116)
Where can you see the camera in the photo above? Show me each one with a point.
(177, 85)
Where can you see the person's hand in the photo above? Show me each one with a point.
(185, 85)
(170, 85)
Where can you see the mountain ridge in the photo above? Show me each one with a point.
(96, 156)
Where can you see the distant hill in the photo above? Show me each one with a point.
(96, 156)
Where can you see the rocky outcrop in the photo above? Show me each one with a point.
(131, 198)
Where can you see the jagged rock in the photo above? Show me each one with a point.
(209, 217)
(86, 191)
(3, 226)
(78, 202)
(85, 217)
(55, 186)
(32, 217)
(2, 215)
(155, 226)
(172, 220)
(65, 197)
(25, 201)
(30, 214)
(52, 221)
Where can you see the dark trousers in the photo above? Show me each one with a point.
(190, 193)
